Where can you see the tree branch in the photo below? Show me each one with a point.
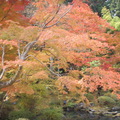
(10, 82)
(2, 73)
(3, 55)
(19, 49)
(44, 65)
(59, 18)
(25, 55)
(52, 17)
(27, 49)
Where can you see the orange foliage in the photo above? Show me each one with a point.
(10, 10)
(72, 35)
(68, 84)
(18, 88)
(107, 80)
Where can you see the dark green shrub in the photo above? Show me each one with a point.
(56, 102)
(118, 103)
(70, 104)
(106, 101)
(90, 97)
(20, 114)
(26, 102)
(51, 114)
(5, 110)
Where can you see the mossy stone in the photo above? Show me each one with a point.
(106, 101)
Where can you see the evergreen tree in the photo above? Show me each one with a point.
(96, 5)
(112, 5)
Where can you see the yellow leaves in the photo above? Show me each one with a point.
(76, 74)
(30, 64)
(60, 1)
(11, 47)
(40, 16)
(40, 75)
(13, 31)
(16, 32)
(42, 56)
(106, 14)
(29, 34)
(55, 2)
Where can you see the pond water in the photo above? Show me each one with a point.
(86, 116)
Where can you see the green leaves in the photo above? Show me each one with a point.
(95, 63)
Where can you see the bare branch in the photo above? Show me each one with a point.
(52, 17)
(59, 18)
(44, 65)
(2, 73)
(28, 44)
(19, 49)
(3, 54)
(11, 81)
(50, 53)
(27, 49)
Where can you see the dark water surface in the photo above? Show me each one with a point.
(86, 116)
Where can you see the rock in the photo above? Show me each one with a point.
(92, 104)
(22, 119)
(110, 113)
(117, 115)
(91, 111)
(98, 112)
(80, 107)
(115, 109)
(64, 102)
(68, 108)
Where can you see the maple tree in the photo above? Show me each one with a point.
(59, 37)
(11, 10)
